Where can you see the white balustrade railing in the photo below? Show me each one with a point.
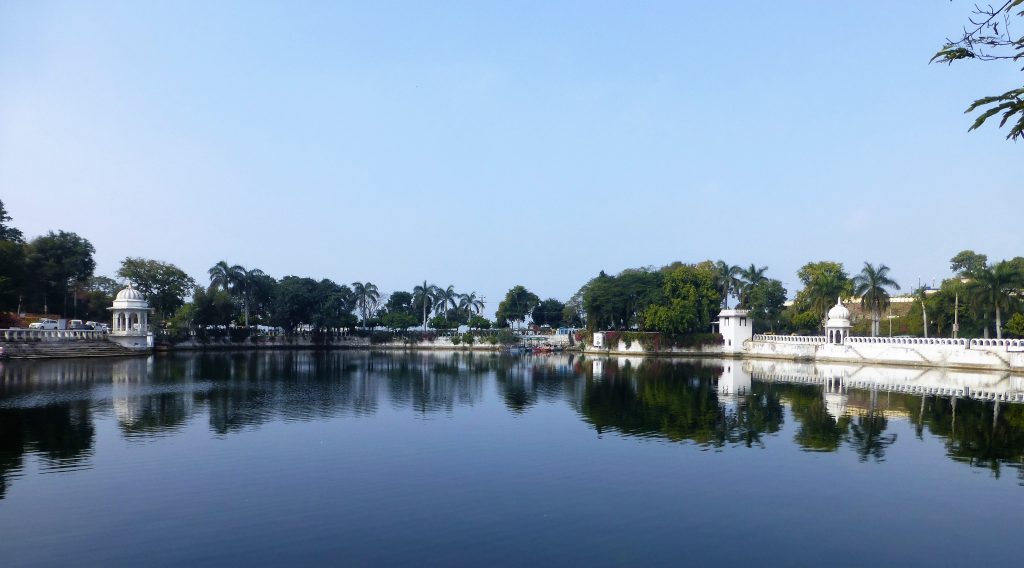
(960, 343)
(15, 335)
(1009, 344)
(814, 339)
(908, 341)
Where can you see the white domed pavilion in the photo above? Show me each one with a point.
(130, 325)
(837, 327)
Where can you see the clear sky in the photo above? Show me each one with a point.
(487, 144)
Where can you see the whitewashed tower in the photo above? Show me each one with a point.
(735, 327)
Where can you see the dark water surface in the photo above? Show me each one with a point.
(358, 458)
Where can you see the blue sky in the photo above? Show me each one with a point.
(488, 144)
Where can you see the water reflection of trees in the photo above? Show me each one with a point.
(984, 434)
(48, 407)
(525, 381)
(61, 435)
(678, 401)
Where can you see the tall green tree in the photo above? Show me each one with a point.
(517, 305)
(619, 302)
(164, 285)
(211, 307)
(988, 37)
(823, 282)
(399, 302)
(294, 302)
(471, 304)
(7, 232)
(366, 297)
(690, 300)
(765, 300)
(57, 263)
(549, 312)
(445, 299)
(332, 306)
(573, 315)
(258, 295)
(967, 262)
(96, 295)
(225, 277)
(872, 286)
(247, 285)
(13, 275)
(750, 277)
(994, 290)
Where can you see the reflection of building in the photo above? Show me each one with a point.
(837, 400)
(130, 326)
(734, 382)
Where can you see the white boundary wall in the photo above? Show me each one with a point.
(938, 352)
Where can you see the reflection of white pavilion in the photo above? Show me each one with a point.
(130, 315)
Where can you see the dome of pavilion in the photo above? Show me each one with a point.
(839, 312)
(130, 298)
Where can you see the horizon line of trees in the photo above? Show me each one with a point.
(56, 271)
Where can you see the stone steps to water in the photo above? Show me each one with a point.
(52, 349)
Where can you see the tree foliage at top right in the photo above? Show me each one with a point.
(988, 37)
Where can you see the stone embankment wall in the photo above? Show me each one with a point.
(282, 342)
(1006, 354)
(637, 348)
(993, 354)
(49, 344)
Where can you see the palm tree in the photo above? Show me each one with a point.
(227, 278)
(366, 297)
(425, 295)
(921, 295)
(992, 289)
(749, 278)
(871, 286)
(726, 279)
(224, 276)
(245, 281)
(471, 304)
(446, 298)
(822, 291)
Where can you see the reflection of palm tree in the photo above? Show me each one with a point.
(871, 286)
(366, 297)
(867, 439)
(990, 290)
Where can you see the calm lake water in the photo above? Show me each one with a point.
(359, 458)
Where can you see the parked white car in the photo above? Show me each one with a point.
(43, 323)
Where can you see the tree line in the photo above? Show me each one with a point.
(55, 273)
(982, 298)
